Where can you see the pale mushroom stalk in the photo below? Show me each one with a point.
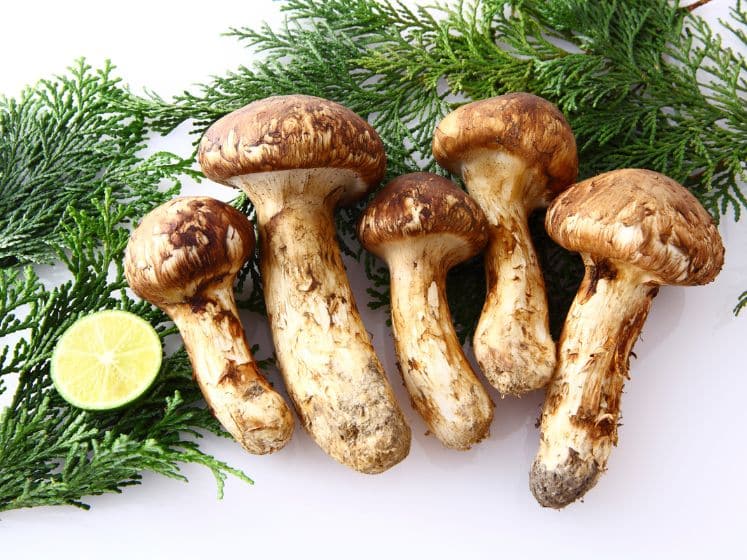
(421, 225)
(579, 421)
(512, 340)
(438, 377)
(184, 257)
(329, 365)
(515, 152)
(298, 157)
(237, 393)
(636, 230)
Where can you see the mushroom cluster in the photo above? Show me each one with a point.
(635, 230)
(299, 157)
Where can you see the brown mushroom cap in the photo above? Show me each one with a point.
(643, 218)
(293, 132)
(527, 126)
(419, 205)
(185, 245)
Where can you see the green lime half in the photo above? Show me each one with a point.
(106, 360)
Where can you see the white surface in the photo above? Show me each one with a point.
(674, 485)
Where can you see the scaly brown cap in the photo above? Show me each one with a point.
(527, 126)
(293, 132)
(185, 245)
(643, 218)
(419, 205)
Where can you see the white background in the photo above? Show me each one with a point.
(675, 485)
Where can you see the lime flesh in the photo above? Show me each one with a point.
(106, 360)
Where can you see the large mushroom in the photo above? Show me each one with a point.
(636, 230)
(514, 152)
(422, 225)
(183, 258)
(298, 157)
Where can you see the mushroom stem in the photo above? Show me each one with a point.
(323, 349)
(582, 407)
(512, 340)
(440, 381)
(238, 395)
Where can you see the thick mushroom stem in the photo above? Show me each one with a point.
(238, 395)
(512, 340)
(323, 349)
(582, 407)
(438, 377)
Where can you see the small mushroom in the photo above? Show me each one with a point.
(514, 152)
(183, 258)
(298, 157)
(422, 225)
(636, 230)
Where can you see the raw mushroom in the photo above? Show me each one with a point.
(183, 258)
(297, 157)
(514, 152)
(422, 225)
(636, 230)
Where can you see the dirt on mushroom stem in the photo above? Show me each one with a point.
(582, 406)
(236, 392)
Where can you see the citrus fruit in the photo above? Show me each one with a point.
(106, 360)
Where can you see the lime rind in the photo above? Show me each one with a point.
(106, 360)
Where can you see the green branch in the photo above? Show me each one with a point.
(67, 139)
(644, 83)
(73, 158)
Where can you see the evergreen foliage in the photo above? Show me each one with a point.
(75, 214)
(62, 143)
(644, 83)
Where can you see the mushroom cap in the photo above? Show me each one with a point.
(184, 246)
(419, 205)
(643, 218)
(293, 132)
(524, 125)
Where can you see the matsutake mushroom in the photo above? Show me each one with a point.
(636, 230)
(184, 257)
(298, 157)
(514, 152)
(422, 225)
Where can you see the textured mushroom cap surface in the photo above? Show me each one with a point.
(527, 126)
(184, 245)
(421, 204)
(643, 218)
(292, 132)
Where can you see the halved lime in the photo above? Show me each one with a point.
(106, 360)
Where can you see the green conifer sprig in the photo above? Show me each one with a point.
(644, 83)
(52, 453)
(72, 182)
(741, 304)
(68, 138)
